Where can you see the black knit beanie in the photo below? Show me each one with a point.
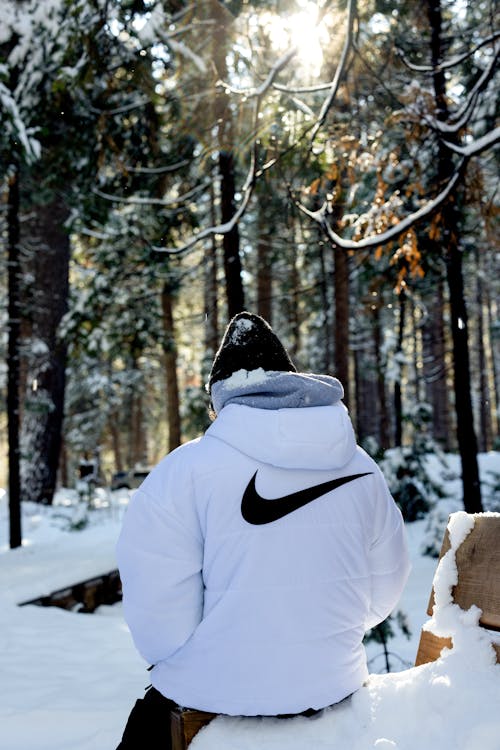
(248, 343)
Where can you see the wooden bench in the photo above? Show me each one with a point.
(478, 566)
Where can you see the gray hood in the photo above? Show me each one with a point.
(264, 389)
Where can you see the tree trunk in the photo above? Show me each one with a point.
(170, 350)
(341, 284)
(115, 441)
(491, 312)
(398, 398)
(367, 413)
(264, 269)
(223, 119)
(137, 443)
(13, 369)
(434, 361)
(292, 308)
(47, 248)
(467, 441)
(231, 240)
(210, 296)
(326, 305)
(485, 424)
(384, 429)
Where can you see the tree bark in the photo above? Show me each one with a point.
(328, 366)
(398, 398)
(231, 240)
(170, 350)
(384, 425)
(223, 119)
(115, 441)
(466, 435)
(210, 296)
(13, 368)
(485, 422)
(47, 247)
(264, 269)
(435, 375)
(366, 397)
(137, 443)
(292, 307)
(341, 285)
(491, 318)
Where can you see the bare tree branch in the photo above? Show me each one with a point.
(247, 191)
(302, 89)
(248, 186)
(139, 201)
(453, 62)
(259, 91)
(351, 15)
(137, 104)
(159, 170)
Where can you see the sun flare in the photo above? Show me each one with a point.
(301, 31)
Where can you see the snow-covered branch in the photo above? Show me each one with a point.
(446, 65)
(460, 119)
(225, 228)
(476, 147)
(259, 91)
(14, 126)
(321, 217)
(137, 104)
(98, 235)
(139, 201)
(302, 89)
(351, 14)
(160, 170)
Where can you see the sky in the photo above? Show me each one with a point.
(68, 680)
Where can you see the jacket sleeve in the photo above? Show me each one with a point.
(388, 556)
(159, 554)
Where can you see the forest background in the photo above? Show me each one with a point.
(331, 166)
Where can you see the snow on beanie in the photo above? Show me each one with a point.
(249, 343)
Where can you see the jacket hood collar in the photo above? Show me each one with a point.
(264, 389)
(317, 437)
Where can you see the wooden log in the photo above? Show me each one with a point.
(185, 724)
(478, 566)
(84, 596)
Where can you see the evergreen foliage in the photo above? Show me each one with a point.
(129, 126)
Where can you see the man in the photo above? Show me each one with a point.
(254, 559)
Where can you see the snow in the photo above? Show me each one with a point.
(69, 680)
(245, 377)
(240, 330)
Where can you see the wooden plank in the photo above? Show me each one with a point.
(84, 596)
(185, 724)
(478, 566)
(430, 647)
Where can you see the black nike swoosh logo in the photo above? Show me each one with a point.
(258, 510)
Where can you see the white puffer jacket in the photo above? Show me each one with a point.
(264, 614)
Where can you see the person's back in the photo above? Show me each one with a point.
(254, 559)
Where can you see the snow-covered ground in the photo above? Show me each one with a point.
(68, 680)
